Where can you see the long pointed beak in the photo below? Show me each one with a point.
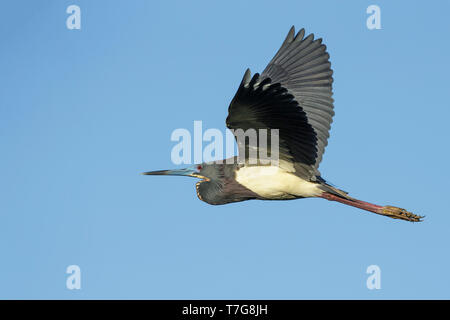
(180, 172)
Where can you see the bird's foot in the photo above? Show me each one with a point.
(399, 213)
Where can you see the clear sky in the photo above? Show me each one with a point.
(83, 112)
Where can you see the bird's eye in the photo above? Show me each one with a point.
(199, 167)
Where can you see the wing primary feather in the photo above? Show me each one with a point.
(302, 66)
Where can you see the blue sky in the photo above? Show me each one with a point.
(83, 112)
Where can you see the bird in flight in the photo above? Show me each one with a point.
(294, 95)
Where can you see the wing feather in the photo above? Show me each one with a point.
(302, 66)
(260, 104)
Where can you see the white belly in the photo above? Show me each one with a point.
(274, 183)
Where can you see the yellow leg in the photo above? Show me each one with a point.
(399, 213)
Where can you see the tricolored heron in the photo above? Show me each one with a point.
(294, 95)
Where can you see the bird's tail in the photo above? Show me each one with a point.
(334, 194)
(335, 191)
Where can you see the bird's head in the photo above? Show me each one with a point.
(216, 186)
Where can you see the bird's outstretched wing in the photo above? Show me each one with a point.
(302, 66)
(260, 104)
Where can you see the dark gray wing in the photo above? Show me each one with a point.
(259, 104)
(302, 66)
